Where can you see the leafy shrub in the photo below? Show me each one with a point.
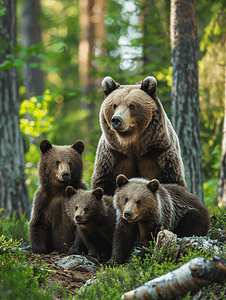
(14, 227)
(19, 279)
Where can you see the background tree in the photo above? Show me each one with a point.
(222, 177)
(31, 35)
(13, 190)
(185, 91)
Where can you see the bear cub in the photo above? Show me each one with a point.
(50, 227)
(94, 216)
(143, 207)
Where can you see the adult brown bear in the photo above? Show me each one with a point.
(50, 227)
(137, 139)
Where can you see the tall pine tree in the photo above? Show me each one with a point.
(185, 91)
(13, 191)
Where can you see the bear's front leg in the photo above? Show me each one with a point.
(40, 228)
(79, 246)
(104, 174)
(40, 238)
(124, 239)
(92, 240)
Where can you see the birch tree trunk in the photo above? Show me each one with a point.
(13, 191)
(31, 35)
(185, 91)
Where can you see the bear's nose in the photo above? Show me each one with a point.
(116, 122)
(78, 218)
(127, 214)
(65, 175)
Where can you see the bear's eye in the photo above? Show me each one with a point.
(76, 207)
(132, 107)
(126, 200)
(57, 162)
(114, 106)
(138, 202)
(85, 209)
(70, 163)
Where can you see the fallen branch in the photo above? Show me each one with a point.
(192, 276)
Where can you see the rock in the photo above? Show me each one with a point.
(76, 263)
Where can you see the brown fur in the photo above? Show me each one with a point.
(143, 207)
(94, 216)
(144, 145)
(50, 227)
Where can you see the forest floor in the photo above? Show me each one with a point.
(76, 276)
(69, 279)
(75, 279)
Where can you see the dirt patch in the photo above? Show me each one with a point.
(69, 279)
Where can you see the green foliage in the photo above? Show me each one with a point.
(7, 245)
(19, 280)
(112, 282)
(33, 123)
(14, 228)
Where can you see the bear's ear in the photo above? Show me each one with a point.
(45, 145)
(70, 191)
(109, 85)
(78, 146)
(121, 180)
(149, 85)
(153, 185)
(98, 193)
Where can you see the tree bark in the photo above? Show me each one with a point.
(185, 91)
(13, 190)
(221, 191)
(31, 35)
(86, 45)
(92, 36)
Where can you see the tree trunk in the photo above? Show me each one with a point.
(86, 45)
(13, 191)
(221, 191)
(185, 91)
(92, 36)
(31, 35)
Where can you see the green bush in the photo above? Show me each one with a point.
(19, 279)
(14, 227)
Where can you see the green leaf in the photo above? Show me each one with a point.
(34, 65)
(18, 62)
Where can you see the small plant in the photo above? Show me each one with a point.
(7, 245)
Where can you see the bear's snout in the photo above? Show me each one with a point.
(65, 175)
(78, 218)
(116, 122)
(127, 214)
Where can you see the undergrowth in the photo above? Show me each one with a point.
(14, 227)
(113, 282)
(20, 280)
